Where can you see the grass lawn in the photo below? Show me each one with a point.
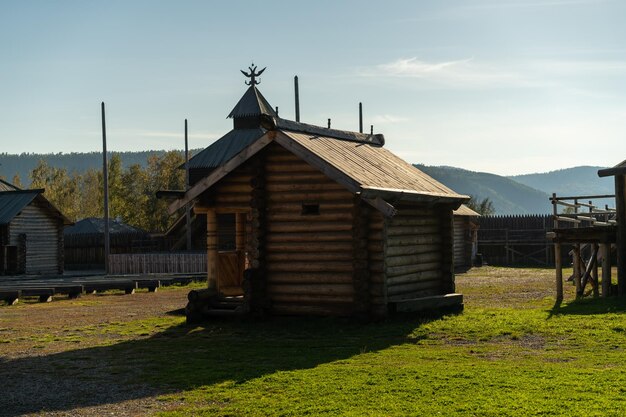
(511, 352)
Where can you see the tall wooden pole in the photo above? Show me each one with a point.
(188, 205)
(105, 178)
(620, 205)
(297, 92)
(360, 117)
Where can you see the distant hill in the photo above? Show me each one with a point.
(570, 181)
(507, 195)
(23, 164)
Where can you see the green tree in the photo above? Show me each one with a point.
(483, 207)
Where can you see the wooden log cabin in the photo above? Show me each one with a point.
(327, 222)
(31, 233)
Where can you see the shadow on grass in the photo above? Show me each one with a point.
(186, 357)
(589, 306)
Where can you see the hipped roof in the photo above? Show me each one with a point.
(223, 149)
(252, 103)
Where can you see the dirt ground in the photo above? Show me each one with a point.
(49, 352)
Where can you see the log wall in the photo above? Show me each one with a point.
(39, 238)
(462, 242)
(309, 257)
(418, 247)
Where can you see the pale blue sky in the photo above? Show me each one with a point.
(503, 86)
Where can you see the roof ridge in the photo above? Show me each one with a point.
(273, 123)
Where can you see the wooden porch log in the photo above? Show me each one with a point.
(606, 269)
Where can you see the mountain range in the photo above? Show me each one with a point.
(519, 194)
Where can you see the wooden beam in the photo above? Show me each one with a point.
(211, 246)
(381, 205)
(606, 269)
(222, 171)
(620, 205)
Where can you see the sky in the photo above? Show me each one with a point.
(501, 86)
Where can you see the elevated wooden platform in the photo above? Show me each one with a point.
(593, 234)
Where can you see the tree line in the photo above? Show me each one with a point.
(132, 190)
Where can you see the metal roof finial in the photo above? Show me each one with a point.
(252, 75)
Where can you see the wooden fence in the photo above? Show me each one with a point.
(516, 240)
(86, 251)
(158, 263)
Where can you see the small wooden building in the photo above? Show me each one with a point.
(327, 222)
(465, 237)
(31, 233)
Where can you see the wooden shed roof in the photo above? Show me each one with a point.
(357, 161)
(618, 169)
(13, 202)
(465, 211)
(223, 149)
(6, 186)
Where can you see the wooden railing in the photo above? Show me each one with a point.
(586, 214)
(158, 263)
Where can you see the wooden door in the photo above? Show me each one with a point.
(230, 265)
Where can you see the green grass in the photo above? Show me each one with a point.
(510, 353)
(529, 359)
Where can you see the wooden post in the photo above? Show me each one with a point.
(188, 205)
(606, 269)
(594, 271)
(211, 248)
(576, 271)
(620, 206)
(240, 223)
(105, 177)
(559, 272)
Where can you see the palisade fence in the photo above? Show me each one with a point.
(158, 263)
(86, 251)
(516, 240)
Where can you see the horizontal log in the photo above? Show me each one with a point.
(412, 250)
(411, 269)
(281, 187)
(338, 310)
(294, 247)
(281, 157)
(308, 237)
(304, 226)
(414, 240)
(415, 278)
(428, 292)
(375, 246)
(411, 230)
(325, 196)
(413, 221)
(377, 277)
(377, 266)
(415, 211)
(376, 256)
(296, 177)
(325, 266)
(311, 289)
(310, 278)
(308, 298)
(377, 289)
(287, 167)
(232, 187)
(324, 216)
(396, 290)
(309, 255)
(296, 207)
(414, 259)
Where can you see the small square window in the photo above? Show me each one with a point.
(310, 209)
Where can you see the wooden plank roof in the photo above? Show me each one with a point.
(618, 169)
(223, 149)
(373, 169)
(13, 202)
(465, 211)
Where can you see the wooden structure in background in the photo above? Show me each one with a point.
(31, 233)
(327, 222)
(465, 237)
(594, 230)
